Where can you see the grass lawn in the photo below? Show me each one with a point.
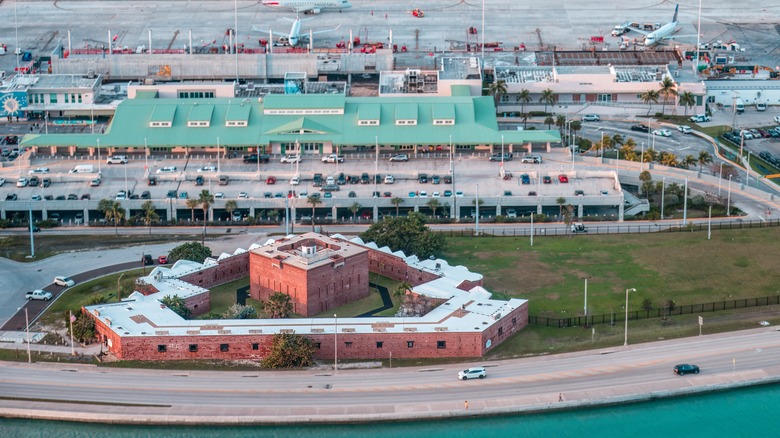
(684, 267)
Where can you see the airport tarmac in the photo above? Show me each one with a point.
(562, 25)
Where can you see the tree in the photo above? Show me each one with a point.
(524, 97)
(575, 126)
(549, 121)
(272, 215)
(649, 156)
(433, 204)
(83, 327)
(497, 89)
(314, 201)
(668, 159)
(230, 207)
(400, 291)
(560, 122)
(354, 208)
(568, 218)
(237, 311)
(650, 97)
(193, 251)
(687, 162)
(113, 211)
(704, 158)
(150, 215)
(628, 152)
(205, 199)
(618, 140)
(688, 100)
(408, 234)
(560, 201)
(668, 88)
(278, 306)
(192, 204)
(524, 118)
(176, 303)
(647, 305)
(645, 177)
(396, 202)
(289, 350)
(547, 98)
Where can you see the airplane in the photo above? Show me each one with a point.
(662, 33)
(308, 6)
(295, 37)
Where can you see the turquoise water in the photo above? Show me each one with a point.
(737, 413)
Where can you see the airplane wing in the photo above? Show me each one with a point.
(316, 32)
(265, 31)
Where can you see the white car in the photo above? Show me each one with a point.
(472, 373)
(435, 195)
(206, 169)
(39, 170)
(36, 198)
(237, 216)
(459, 194)
(219, 195)
(662, 133)
(591, 118)
(699, 118)
(22, 182)
(294, 181)
(511, 212)
(423, 194)
(116, 159)
(330, 181)
(332, 158)
(747, 135)
(2, 182)
(64, 281)
(400, 157)
(303, 194)
(168, 169)
(243, 195)
(294, 158)
(389, 179)
(121, 196)
(777, 119)
(685, 129)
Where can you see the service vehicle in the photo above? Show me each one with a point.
(685, 129)
(333, 158)
(621, 29)
(662, 132)
(83, 168)
(578, 227)
(291, 158)
(38, 294)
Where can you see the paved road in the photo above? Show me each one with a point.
(585, 378)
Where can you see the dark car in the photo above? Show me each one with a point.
(547, 179)
(72, 197)
(352, 195)
(640, 128)
(525, 179)
(253, 158)
(86, 197)
(147, 259)
(317, 180)
(341, 180)
(354, 179)
(152, 181)
(423, 178)
(11, 197)
(199, 180)
(146, 195)
(46, 182)
(364, 179)
(447, 179)
(435, 179)
(171, 194)
(685, 368)
(34, 181)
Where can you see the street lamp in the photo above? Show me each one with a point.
(335, 342)
(625, 337)
(720, 176)
(728, 202)
(27, 328)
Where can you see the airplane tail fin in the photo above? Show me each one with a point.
(674, 19)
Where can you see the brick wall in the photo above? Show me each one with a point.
(227, 270)
(504, 328)
(396, 268)
(205, 347)
(199, 304)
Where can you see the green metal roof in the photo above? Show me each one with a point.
(475, 123)
(146, 94)
(460, 90)
(200, 113)
(303, 101)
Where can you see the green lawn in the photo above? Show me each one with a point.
(684, 267)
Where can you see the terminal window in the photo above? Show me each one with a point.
(379, 344)
(441, 345)
(410, 344)
(224, 347)
(162, 348)
(193, 348)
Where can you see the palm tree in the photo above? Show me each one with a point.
(688, 100)
(400, 291)
(524, 97)
(618, 140)
(649, 97)
(396, 202)
(433, 204)
(549, 121)
(560, 201)
(192, 204)
(497, 89)
(628, 152)
(524, 118)
(568, 218)
(230, 207)
(560, 122)
(647, 180)
(649, 156)
(205, 199)
(668, 88)
(314, 201)
(668, 159)
(548, 98)
(149, 214)
(688, 161)
(354, 208)
(575, 126)
(113, 211)
(704, 158)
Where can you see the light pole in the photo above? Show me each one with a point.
(720, 176)
(685, 202)
(335, 342)
(747, 170)
(27, 328)
(586, 302)
(118, 290)
(728, 201)
(663, 191)
(218, 170)
(146, 157)
(625, 337)
(502, 152)
(98, 148)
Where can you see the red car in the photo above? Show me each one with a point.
(163, 260)
(563, 178)
(270, 180)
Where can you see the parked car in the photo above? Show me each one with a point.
(146, 195)
(64, 281)
(333, 158)
(700, 118)
(532, 159)
(78, 219)
(171, 194)
(84, 197)
(270, 180)
(500, 157)
(2, 182)
(147, 259)
(34, 181)
(591, 118)
(685, 129)
(447, 193)
(22, 182)
(116, 159)
(511, 212)
(163, 260)
(525, 179)
(435, 179)
(760, 106)
(254, 158)
(684, 368)
(291, 158)
(39, 170)
(183, 195)
(38, 294)
(208, 169)
(219, 195)
(422, 178)
(447, 179)
(199, 180)
(547, 179)
(243, 195)
(389, 179)
(563, 179)
(399, 157)
(472, 373)
(224, 180)
(11, 197)
(167, 169)
(294, 181)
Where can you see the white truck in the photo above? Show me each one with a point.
(38, 295)
(621, 29)
(83, 168)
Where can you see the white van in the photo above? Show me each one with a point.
(739, 106)
(83, 168)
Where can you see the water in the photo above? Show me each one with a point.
(737, 413)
